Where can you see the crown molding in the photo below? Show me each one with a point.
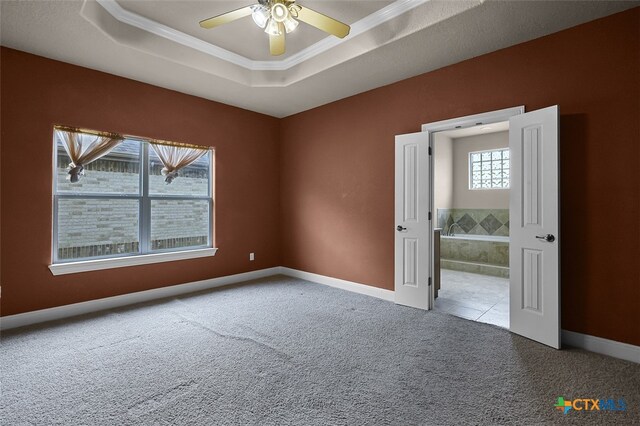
(365, 24)
(151, 26)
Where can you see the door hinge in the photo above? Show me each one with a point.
(429, 215)
(429, 282)
(429, 150)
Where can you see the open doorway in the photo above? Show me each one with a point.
(471, 170)
(534, 218)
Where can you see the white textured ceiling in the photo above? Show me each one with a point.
(480, 129)
(317, 69)
(243, 36)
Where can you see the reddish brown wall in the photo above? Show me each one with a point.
(338, 163)
(38, 93)
(332, 168)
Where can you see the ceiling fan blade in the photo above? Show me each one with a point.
(276, 42)
(225, 18)
(322, 22)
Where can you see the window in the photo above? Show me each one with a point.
(489, 169)
(122, 205)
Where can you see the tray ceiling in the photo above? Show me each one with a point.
(161, 43)
(243, 36)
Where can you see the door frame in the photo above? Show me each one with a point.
(481, 119)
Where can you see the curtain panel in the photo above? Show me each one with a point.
(84, 149)
(175, 158)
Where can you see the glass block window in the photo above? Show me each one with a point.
(122, 205)
(489, 169)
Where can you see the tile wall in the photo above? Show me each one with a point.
(475, 221)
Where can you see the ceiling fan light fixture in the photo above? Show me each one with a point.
(260, 15)
(277, 18)
(279, 12)
(272, 27)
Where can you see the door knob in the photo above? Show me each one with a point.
(401, 228)
(548, 238)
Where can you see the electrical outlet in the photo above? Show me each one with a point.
(252, 256)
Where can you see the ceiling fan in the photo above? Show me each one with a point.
(278, 17)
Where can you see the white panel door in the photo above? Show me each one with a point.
(534, 251)
(412, 245)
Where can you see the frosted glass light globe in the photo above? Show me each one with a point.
(279, 12)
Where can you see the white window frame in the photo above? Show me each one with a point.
(470, 169)
(145, 255)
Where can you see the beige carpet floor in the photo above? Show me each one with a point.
(281, 351)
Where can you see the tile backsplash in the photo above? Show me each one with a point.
(475, 221)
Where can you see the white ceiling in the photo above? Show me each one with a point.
(243, 36)
(479, 129)
(160, 42)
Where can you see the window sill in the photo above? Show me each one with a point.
(121, 262)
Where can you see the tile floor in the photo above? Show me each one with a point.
(476, 297)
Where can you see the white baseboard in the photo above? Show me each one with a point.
(368, 290)
(583, 341)
(66, 311)
(602, 346)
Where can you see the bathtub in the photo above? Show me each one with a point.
(499, 238)
(480, 254)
